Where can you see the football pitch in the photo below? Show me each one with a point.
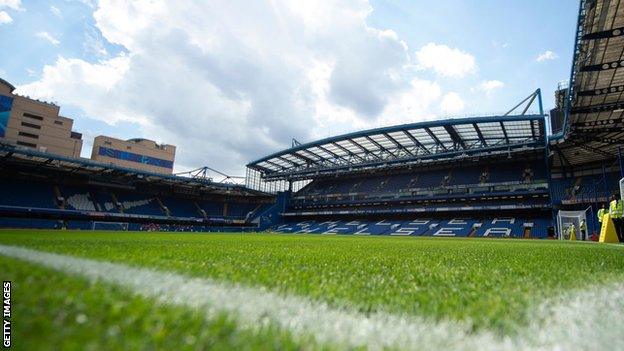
(125, 290)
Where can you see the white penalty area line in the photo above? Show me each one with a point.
(589, 320)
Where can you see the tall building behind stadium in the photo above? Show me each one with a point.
(511, 175)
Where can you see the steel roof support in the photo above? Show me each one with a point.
(276, 165)
(320, 158)
(455, 136)
(604, 34)
(365, 150)
(435, 138)
(332, 153)
(479, 134)
(289, 161)
(529, 103)
(504, 131)
(397, 144)
(531, 97)
(602, 123)
(307, 160)
(416, 142)
(348, 151)
(379, 145)
(602, 91)
(594, 150)
(602, 66)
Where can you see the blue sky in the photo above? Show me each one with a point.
(229, 81)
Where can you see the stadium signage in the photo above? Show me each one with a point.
(6, 314)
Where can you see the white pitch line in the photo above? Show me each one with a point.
(589, 320)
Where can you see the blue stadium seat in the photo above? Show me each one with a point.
(27, 194)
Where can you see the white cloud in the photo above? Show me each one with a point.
(452, 103)
(47, 36)
(94, 45)
(56, 11)
(546, 55)
(489, 86)
(446, 61)
(5, 18)
(412, 105)
(79, 83)
(228, 86)
(11, 4)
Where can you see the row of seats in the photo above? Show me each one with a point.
(424, 205)
(458, 227)
(397, 183)
(589, 188)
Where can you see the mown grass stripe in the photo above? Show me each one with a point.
(587, 320)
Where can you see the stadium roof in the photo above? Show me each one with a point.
(12, 157)
(405, 144)
(594, 128)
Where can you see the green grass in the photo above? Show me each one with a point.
(489, 282)
(53, 311)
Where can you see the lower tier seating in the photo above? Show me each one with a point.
(457, 227)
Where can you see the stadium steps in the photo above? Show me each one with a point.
(200, 210)
(527, 233)
(117, 203)
(163, 208)
(94, 199)
(60, 200)
(472, 233)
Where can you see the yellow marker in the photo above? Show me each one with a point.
(607, 231)
(572, 233)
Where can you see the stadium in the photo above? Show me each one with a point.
(488, 207)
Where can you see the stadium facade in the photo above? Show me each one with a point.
(489, 176)
(35, 124)
(138, 153)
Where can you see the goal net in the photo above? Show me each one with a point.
(109, 226)
(575, 223)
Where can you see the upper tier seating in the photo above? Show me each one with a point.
(426, 183)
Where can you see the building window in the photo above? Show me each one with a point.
(21, 143)
(108, 143)
(30, 125)
(58, 122)
(28, 135)
(30, 115)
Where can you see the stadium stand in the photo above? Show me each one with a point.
(447, 181)
(493, 176)
(71, 193)
(502, 176)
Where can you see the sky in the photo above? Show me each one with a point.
(230, 81)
